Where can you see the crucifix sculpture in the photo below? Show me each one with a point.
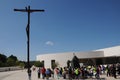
(28, 10)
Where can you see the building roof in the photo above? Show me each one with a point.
(106, 52)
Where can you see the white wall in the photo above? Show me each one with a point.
(112, 51)
(62, 58)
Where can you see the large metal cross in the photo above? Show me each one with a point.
(28, 10)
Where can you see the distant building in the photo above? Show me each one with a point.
(102, 56)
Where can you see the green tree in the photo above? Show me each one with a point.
(17, 63)
(22, 65)
(38, 64)
(3, 58)
(1, 64)
(13, 57)
(11, 62)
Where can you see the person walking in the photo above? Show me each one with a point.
(48, 73)
(97, 75)
(38, 73)
(114, 71)
(76, 73)
(43, 72)
(29, 74)
(70, 73)
(56, 71)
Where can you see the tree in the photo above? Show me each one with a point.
(13, 57)
(1, 64)
(3, 58)
(10, 62)
(38, 64)
(22, 65)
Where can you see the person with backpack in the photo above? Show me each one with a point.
(48, 73)
(56, 71)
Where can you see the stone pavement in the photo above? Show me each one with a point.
(22, 75)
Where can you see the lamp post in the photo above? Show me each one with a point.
(28, 10)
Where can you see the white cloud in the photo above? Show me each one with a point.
(50, 43)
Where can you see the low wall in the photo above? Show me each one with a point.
(9, 68)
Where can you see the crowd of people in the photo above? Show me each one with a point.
(79, 73)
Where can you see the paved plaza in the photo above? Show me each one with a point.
(22, 75)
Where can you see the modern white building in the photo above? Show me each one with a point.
(101, 56)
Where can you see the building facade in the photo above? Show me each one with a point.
(101, 56)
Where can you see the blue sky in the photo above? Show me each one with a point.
(65, 26)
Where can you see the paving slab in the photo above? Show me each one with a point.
(22, 75)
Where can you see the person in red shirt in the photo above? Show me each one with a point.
(43, 70)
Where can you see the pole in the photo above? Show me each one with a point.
(28, 10)
(28, 43)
